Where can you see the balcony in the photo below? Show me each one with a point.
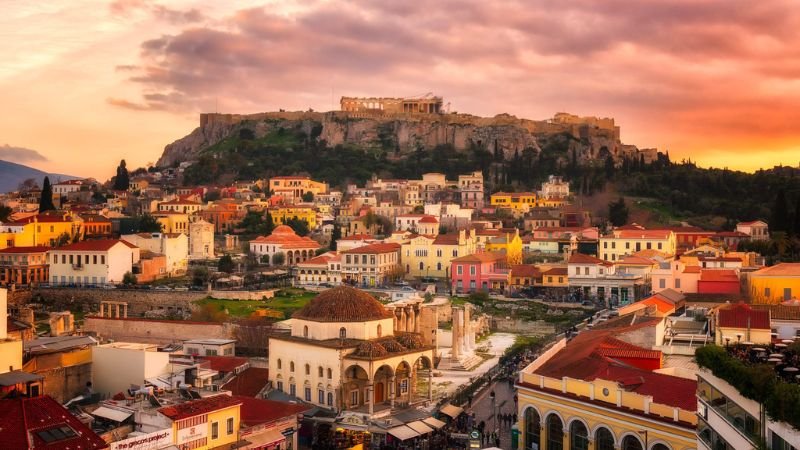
(77, 267)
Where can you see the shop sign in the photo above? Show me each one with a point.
(151, 441)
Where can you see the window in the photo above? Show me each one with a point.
(280, 385)
(404, 386)
(342, 333)
(767, 292)
(279, 363)
(649, 245)
(662, 283)
(778, 443)
(459, 269)
(631, 443)
(353, 398)
(214, 430)
(586, 271)
(555, 433)
(604, 440)
(472, 270)
(321, 397)
(293, 390)
(380, 330)
(320, 371)
(102, 259)
(230, 425)
(330, 399)
(787, 293)
(291, 366)
(305, 331)
(308, 369)
(532, 429)
(677, 283)
(578, 436)
(421, 265)
(605, 244)
(659, 245)
(330, 373)
(307, 392)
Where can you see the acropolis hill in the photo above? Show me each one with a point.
(407, 124)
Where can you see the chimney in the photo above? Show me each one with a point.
(3, 314)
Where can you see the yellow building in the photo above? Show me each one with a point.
(509, 243)
(741, 323)
(602, 392)
(555, 277)
(293, 188)
(210, 422)
(775, 284)
(282, 214)
(518, 202)
(626, 242)
(173, 222)
(41, 229)
(430, 256)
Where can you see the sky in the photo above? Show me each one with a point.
(85, 83)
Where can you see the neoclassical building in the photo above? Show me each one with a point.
(608, 389)
(284, 240)
(345, 353)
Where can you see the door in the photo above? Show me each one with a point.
(379, 394)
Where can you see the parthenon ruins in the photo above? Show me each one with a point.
(426, 104)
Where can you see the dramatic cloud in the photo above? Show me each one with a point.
(674, 72)
(20, 154)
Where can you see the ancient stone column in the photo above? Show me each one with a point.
(409, 318)
(430, 383)
(117, 311)
(392, 387)
(370, 398)
(402, 319)
(417, 314)
(455, 345)
(102, 309)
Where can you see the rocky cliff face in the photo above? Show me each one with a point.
(406, 133)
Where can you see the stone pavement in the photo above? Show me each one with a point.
(504, 403)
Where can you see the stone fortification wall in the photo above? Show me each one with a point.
(533, 328)
(155, 331)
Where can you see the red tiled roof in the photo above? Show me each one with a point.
(224, 363)
(255, 411)
(732, 234)
(201, 406)
(22, 418)
(580, 258)
(428, 219)
(779, 270)
(525, 270)
(634, 260)
(100, 245)
(743, 316)
(719, 275)
(691, 269)
(249, 382)
(33, 249)
(357, 237)
(557, 271)
(380, 247)
(481, 257)
(629, 353)
(446, 239)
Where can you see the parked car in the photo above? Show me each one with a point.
(162, 288)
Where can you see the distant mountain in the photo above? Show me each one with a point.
(12, 174)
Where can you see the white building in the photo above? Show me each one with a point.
(116, 366)
(323, 269)
(756, 229)
(66, 187)
(92, 262)
(174, 246)
(201, 240)
(210, 347)
(417, 223)
(554, 187)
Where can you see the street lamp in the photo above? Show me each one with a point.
(494, 416)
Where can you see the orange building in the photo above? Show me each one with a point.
(96, 226)
(224, 215)
(23, 265)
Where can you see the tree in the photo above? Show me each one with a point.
(62, 240)
(308, 196)
(225, 264)
(5, 213)
(299, 226)
(209, 312)
(146, 223)
(618, 212)
(278, 259)
(46, 200)
(780, 214)
(27, 185)
(796, 226)
(200, 275)
(129, 279)
(336, 234)
(122, 180)
(610, 167)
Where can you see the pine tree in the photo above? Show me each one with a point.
(269, 225)
(609, 167)
(618, 212)
(46, 200)
(780, 215)
(122, 180)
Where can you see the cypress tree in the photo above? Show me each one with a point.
(336, 234)
(780, 216)
(46, 200)
(122, 180)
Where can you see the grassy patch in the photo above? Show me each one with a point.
(286, 301)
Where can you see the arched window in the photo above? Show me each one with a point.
(279, 364)
(659, 447)
(555, 433)
(319, 371)
(578, 436)
(342, 333)
(305, 331)
(532, 429)
(421, 265)
(308, 369)
(291, 366)
(631, 443)
(330, 373)
(380, 330)
(603, 439)
(438, 266)
(330, 398)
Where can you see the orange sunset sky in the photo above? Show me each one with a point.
(84, 84)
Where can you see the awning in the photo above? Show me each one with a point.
(450, 410)
(420, 427)
(267, 437)
(434, 422)
(112, 414)
(403, 432)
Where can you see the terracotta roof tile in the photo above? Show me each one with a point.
(779, 270)
(380, 247)
(201, 406)
(249, 382)
(256, 411)
(100, 245)
(743, 316)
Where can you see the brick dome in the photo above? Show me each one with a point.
(343, 304)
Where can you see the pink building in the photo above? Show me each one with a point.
(676, 275)
(484, 271)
